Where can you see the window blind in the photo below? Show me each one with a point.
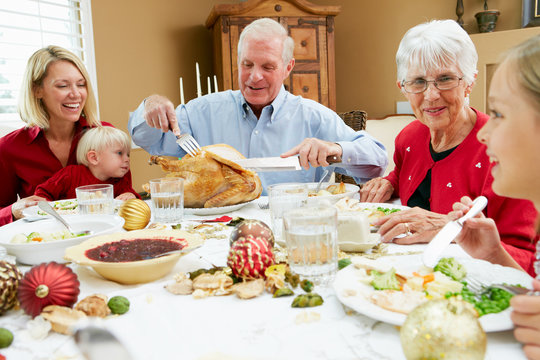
(28, 25)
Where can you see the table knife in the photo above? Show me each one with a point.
(268, 164)
(435, 248)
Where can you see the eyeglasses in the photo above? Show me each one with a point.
(420, 85)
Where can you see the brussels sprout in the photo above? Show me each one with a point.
(6, 338)
(118, 305)
(306, 285)
(307, 300)
(283, 292)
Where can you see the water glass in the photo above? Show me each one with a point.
(167, 199)
(282, 197)
(95, 199)
(311, 238)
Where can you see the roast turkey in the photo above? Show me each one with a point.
(212, 178)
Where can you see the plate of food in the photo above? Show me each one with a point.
(63, 207)
(215, 210)
(45, 240)
(355, 287)
(330, 192)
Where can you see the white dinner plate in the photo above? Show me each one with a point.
(33, 210)
(215, 210)
(366, 205)
(487, 273)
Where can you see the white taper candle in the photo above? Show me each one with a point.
(181, 91)
(198, 75)
(215, 84)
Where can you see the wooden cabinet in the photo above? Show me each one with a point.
(311, 27)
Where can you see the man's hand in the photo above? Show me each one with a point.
(18, 207)
(377, 190)
(314, 152)
(159, 113)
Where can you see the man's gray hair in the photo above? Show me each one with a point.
(267, 28)
(434, 44)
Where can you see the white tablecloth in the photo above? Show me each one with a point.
(160, 325)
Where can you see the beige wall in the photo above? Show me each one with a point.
(143, 47)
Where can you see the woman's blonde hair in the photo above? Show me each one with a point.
(31, 108)
(526, 59)
(100, 138)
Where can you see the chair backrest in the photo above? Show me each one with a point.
(355, 119)
(385, 130)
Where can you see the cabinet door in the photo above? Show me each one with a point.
(309, 77)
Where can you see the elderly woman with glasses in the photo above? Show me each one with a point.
(438, 157)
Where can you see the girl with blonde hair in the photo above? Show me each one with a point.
(511, 136)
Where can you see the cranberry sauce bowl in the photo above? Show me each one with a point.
(130, 257)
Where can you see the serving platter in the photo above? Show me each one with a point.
(354, 294)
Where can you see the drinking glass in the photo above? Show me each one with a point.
(167, 199)
(311, 238)
(282, 197)
(95, 199)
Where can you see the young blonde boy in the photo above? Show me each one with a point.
(103, 158)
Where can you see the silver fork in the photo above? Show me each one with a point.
(189, 144)
(478, 288)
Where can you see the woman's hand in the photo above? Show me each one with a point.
(526, 317)
(418, 225)
(376, 190)
(126, 196)
(18, 207)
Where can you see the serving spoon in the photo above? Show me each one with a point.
(45, 206)
(325, 173)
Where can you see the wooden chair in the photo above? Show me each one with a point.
(356, 119)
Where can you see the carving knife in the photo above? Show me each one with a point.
(268, 164)
(435, 248)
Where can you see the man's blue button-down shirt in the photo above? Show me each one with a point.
(226, 118)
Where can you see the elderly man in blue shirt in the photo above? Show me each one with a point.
(261, 119)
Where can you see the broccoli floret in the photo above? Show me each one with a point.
(385, 281)
(450, 267)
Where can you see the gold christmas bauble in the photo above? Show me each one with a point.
(136, 214)
(443, 329)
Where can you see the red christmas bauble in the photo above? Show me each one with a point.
(249, 257)
(48, 284)
(256, 228)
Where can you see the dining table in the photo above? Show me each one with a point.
(161, 325)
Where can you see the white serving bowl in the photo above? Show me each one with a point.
(350, 191)
(37, 252)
